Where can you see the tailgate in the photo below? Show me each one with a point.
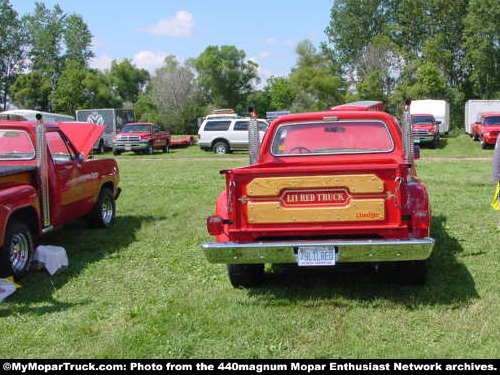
(328, 200)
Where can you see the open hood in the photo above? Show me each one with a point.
(83, 135)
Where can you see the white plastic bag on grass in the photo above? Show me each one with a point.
(53, 258)
(7, 288)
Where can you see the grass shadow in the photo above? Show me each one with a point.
(449, 282)
(83, 246)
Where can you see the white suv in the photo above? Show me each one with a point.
(224, 134)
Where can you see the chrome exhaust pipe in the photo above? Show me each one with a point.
(41, 158)
(408, 146)
(253, 136)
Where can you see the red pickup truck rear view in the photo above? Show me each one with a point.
(46, 180)
(329, 188)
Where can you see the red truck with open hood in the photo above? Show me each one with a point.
(47, 179)
(336, 187)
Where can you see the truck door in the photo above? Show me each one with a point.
(72, 186)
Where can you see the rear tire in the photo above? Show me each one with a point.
(104, 212)
(483, 144)
(17, 252)
(116, 152)
(221, 148)
(245, 275)
(101, 148)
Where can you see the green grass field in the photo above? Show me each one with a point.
(143, 288)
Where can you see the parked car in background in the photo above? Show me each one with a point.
(440, 109)
(473, 111)
(486, 129)
(142, 138)
(46, 180)
(425, 129)
(113, 120)
(224, 133)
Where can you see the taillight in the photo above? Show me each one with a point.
(215, 225)
(420, 222)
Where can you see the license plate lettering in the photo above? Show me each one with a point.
(316, 256)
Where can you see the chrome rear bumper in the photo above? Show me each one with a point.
(347, 251)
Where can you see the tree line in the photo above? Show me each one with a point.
(384, 50)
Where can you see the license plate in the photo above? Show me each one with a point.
(317, 256)
(128, 148)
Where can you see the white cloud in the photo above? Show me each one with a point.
(96, 42)
(149, 60)
(102, 62)
(290, 43)
(270, 41)
(180, 26)
(265, 54)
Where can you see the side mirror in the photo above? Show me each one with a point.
(438, 122)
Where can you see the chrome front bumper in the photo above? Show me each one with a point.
(347, 251)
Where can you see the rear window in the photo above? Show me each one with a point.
(342, 137)
(243, 125)
(16, 145)
(211, 126)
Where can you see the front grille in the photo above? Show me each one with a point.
(420, 133)
(129, 138)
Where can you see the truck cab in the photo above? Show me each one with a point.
(425, 129)
(486, 129)
(336, 187)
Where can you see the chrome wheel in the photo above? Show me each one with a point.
(20, 248)
(107, 210)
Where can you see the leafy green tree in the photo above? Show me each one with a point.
(12, 50)
(145, 109)
(45, 31)
(70, 92)
(127, 80)
(98, 90)
(225, 77)
(31, 91)
(77, 39)
(482, 47)
(281, 93)
(314, 78)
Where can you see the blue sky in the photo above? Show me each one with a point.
(146, 31)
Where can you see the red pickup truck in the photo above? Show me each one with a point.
(329, 188)
(486, 129)
(425, 129)
(141, 138)
(46, 180)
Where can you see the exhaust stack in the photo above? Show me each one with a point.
(41, 158)
(253, 136)
(407, 133)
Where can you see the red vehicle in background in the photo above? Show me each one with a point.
(486, 129)
(336, 187)
(425, 129)
(142, 138)
(365, 105)
(47, 180)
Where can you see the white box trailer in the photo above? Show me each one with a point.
(474, 108)
(440, 109)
